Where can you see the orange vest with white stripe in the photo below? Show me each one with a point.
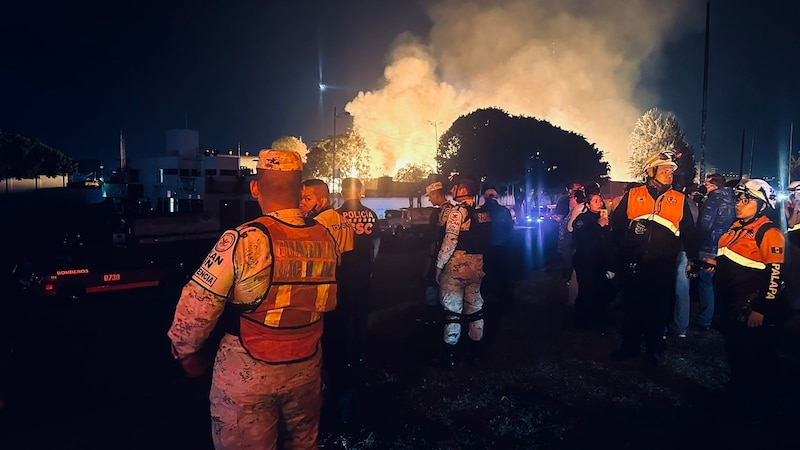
(739, 244)
(666, 210)
(286, 326)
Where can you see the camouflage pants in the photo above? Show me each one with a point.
(461, 294)
(252, 402)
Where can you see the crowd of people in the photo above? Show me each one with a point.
(658, 239)
(291, 289)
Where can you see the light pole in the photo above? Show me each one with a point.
(435, 135)
(333, 162)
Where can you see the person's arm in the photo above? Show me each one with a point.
(772, 250)
(203, 300)
(376, 246)
(688, 231)
(451, 230)
(619, 220)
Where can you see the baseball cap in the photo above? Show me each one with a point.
(490, 193)
(433, 187)
(280, 160)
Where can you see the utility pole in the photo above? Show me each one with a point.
(435, 135)
(705, 102)
(741, 158)
(333, 161)
(752, 149)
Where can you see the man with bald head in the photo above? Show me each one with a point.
(266, 283)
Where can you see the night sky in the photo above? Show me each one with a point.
(74, 73)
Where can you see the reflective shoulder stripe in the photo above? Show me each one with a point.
(661, 221)
(739, 259)
(794, 228)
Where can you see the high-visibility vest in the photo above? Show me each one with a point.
(666, 210)
(743, 245)
(286, 325)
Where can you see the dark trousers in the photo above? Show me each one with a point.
(648, 299)
(496, 285)
(594, 294)
(345, 335)
(752, 358)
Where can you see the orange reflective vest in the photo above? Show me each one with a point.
(740, 245)
(286, 326)
(666, 210)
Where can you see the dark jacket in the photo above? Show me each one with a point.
(502, 223)
(650, 241)
(593, 249)
(716, 217)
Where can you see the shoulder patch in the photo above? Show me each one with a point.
(226, 241)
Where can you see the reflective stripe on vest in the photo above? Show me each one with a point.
(794, 228)
(739, 259)
(286, 325)
(741, 244)
(666, 211)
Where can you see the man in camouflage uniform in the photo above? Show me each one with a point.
(459, 269)
(267, 283)
(433, 236)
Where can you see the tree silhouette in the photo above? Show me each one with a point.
(352, 157)
(412, 173)
(490, 145)
(22, 157)
(656, 132)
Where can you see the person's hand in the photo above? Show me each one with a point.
(712, 264)
(438, 275)
(610, 275)
(755, 319)
(195, 364)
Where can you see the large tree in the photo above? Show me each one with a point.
(656, 132)
(500, 149)
(352, 157)
(23, 157)
(291, 143)
(413, 173)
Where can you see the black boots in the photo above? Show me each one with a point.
(473, 352)
(448, 359)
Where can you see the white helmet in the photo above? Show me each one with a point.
(793, 185)
(666, 158)
(758, 189)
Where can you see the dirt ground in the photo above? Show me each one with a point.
(544, 385)
(98, 375)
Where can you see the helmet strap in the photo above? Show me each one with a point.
(659, 186)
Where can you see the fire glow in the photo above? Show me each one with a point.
(574, 63)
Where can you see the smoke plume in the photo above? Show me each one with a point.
(574, 63)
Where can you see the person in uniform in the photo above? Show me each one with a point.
(649, 226)
(315, 204)
(594, 265)
(459, 269)
(267, 284)
(792, 211)
(433, 236)
(747, 283)
(357, 265)
(496, 284)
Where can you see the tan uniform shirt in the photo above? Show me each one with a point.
(240, 257)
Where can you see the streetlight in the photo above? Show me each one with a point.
(333, 163)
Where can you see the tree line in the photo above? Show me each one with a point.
(22, 157)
